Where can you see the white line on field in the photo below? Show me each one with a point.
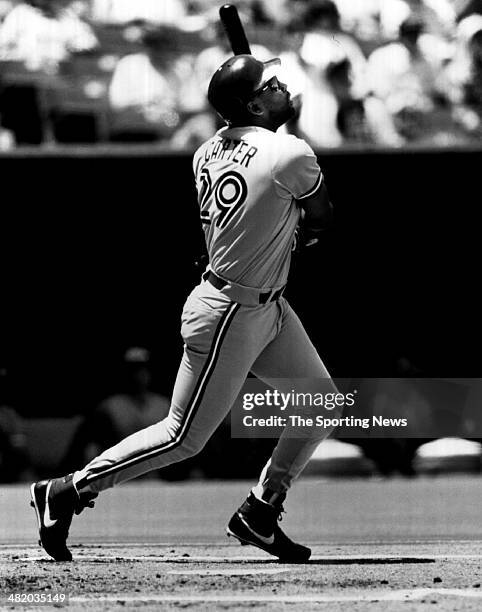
(382, 558)
(221, 544)
(371, 596)
(232, 572)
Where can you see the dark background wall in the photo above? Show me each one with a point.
(97, 254)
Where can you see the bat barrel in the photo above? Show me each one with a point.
(234, 29)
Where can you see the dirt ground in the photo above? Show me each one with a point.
(377, 545)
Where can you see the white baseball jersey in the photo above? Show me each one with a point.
(249, 180)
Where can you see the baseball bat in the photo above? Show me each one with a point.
(234, 29)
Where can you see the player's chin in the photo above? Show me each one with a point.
(285, 114)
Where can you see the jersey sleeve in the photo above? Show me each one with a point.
(296, 172)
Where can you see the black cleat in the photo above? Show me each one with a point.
(55, 502)
(256, 523)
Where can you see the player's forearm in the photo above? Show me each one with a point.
(312, 226)
(316, 219)
(317, 211)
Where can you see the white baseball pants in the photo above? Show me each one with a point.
(224, 341)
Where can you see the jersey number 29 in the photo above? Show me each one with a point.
(228, 193)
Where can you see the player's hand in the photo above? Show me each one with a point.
(201, 262)
(303, 239)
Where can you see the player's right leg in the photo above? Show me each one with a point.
(292, 360)
(222, 339)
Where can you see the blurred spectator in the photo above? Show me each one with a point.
(281, 13)
(14, 461)
(42, 33)
(333, 113)
(38, 34)
(136, 407)
(360, 18)
(361, 120)
(463, 76)
(81, 8)
(379, 20)
(166, 12)
(438, 16)
(405, 76)
(293, 69)
(325, 42)
(317, 116)
(123, 413)
(144, 90)
(133, 408)
(194, 131)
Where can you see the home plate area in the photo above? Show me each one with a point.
(393, 545)
(368, 576)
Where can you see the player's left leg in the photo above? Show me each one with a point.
(292, 360)
(294, 363)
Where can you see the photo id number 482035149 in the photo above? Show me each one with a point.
(34, 598)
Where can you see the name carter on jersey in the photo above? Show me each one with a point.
(231, 150)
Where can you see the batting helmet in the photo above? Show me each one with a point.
(235, 82)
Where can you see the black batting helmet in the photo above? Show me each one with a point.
(235, 82)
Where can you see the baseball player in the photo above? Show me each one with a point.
(254, 186)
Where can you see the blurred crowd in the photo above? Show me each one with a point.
(133, 402)
(364, 72)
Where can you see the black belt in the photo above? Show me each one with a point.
(219, 283)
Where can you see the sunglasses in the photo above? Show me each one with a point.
(272, 84)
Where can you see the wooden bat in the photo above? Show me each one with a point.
(234, 29)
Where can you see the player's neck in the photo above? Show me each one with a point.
(254, 123)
